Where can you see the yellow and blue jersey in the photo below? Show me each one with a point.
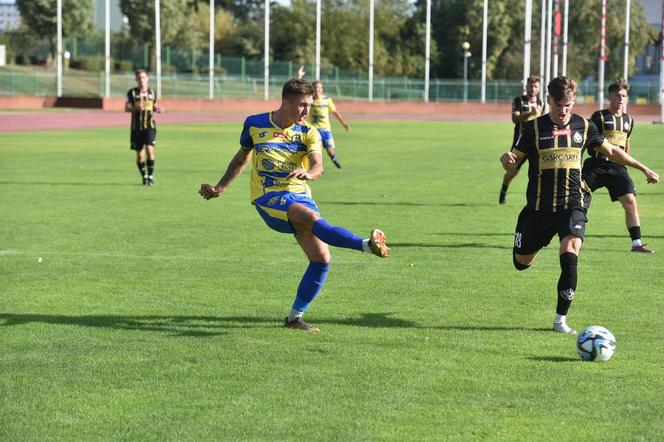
(277, 152)
(320, 112)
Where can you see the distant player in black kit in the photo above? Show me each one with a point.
(557, 198)
(142, 103)
(524, 108)
(599, 171)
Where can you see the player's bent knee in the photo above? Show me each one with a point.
(519, 266)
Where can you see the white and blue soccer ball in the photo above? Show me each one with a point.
(596, 343)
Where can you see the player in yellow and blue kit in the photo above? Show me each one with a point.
(286, 153)
(321, 108)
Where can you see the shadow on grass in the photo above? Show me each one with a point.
(488, 328)
(552, 359)
(194, 326)
(393, 203)
(462, 234)
(36, 183)
(465, 245)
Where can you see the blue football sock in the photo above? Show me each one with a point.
(310, 286)
(336, 236)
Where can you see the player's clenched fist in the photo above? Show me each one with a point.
(508, 160)
(208, 192)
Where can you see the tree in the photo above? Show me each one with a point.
(40, 18)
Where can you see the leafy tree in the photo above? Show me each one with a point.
(40, 18)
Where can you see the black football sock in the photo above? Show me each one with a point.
(150, 167)
(504, 188)
(141, 168)
(635, 232)
(566, 282)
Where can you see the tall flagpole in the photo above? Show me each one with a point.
(556, 37)
(427, 52)
(107, 49)
(157, 28)
(602, 56)
(627, 20)
(371, 47)
(58, 54)
(485, 26)
(318, 20)
(565, 23)
(211, 53)
(527, 37)
(547, 73)
(266, 50)
(542, 51)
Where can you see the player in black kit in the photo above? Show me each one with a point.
(557, 198)
(524, 108)
(142, 103)
(599, 171)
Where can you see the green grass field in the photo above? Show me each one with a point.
(132, 313)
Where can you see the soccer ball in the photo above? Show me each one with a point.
(596, 343)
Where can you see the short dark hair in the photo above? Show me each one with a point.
(561, 88)
(533, 79)
(139, 72)
(297, 87)
(618, 85)
(316, 83)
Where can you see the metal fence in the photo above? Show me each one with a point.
(192, 85)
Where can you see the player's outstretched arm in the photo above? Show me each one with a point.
(315, 169)
(618, 155)
(341, 120)
(235, 168)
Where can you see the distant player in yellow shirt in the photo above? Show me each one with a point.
(321, 108)
(286, 152)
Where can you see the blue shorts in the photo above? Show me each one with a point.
(327, 138)
(273, 208)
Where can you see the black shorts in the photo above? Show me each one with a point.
(614, 177)
(535, 229)
(142, 137)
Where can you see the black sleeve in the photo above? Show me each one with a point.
(516, 105)
(594, 138)
(526, 140)
(596, 119)
(129, 97)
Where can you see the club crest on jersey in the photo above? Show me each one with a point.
(577, 137)
(627, 125)
(296, 138)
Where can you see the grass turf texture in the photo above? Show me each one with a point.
(154, 315)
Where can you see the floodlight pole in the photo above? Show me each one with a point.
(107, 48)
(565, 24)
(602, 56)
(318, 26)
(427, 52)
(627, 20)
(266, 50)
(211, 53)
(157, 29)
(485, 26)
(371, 47)
(58, 55)
(527, 37)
